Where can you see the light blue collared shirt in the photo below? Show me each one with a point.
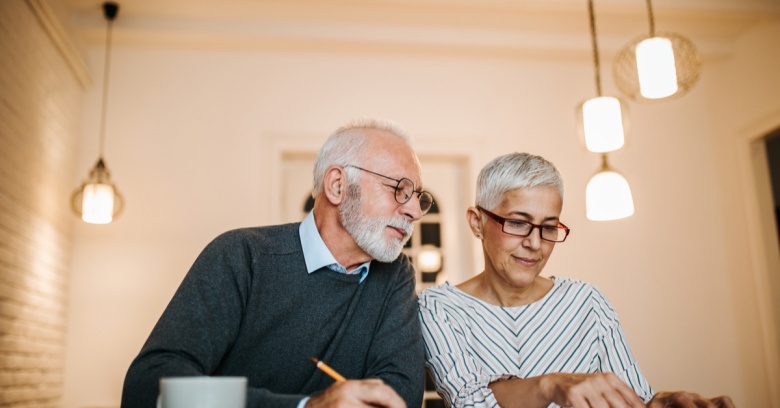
(316, 253)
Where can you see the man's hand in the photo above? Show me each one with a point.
(357, 393)
(684, 399)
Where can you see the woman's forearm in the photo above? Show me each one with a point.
(521, 392)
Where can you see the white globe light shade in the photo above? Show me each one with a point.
(608, 197)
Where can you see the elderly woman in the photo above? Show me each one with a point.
(510, 337)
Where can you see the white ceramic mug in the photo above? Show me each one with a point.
(202, 392)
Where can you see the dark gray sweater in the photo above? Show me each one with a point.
(247, 307)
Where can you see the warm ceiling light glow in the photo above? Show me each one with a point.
(655, 68)
(97, 205)
(97, 200)
(429, 259)
(602, 124)
(608, 196)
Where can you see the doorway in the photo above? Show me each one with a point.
(772, 142)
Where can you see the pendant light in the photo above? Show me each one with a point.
(608, 195)
(97, 200)
(429, 259)
(603, 121)
(657, 65)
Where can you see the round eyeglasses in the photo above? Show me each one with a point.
(552, 233)
(404, 190)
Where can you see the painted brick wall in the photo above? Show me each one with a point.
(40, 103)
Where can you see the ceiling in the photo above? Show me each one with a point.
(505, 27)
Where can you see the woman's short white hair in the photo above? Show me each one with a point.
(512, 171)
(345, 146)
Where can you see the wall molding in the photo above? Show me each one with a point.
(61, 40)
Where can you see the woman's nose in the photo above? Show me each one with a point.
(534, 239)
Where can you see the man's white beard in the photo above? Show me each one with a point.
(368, 232)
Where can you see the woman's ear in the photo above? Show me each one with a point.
(474, 218)
(335, 184)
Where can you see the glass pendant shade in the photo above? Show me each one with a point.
(97, 203)
(656, 71)
(608, 197)
(603, 124)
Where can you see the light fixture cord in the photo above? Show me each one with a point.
(596, 63)
(106, 70)
(651, 18)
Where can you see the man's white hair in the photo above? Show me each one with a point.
(345, 146)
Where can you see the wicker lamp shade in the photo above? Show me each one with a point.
(687, 64)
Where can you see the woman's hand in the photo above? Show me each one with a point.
(684, 399)
(596, 390)
(589, 390)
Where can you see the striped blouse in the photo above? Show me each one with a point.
(470, 343)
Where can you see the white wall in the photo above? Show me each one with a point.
(745, 108)
(187, 143)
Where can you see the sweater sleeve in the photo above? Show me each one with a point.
(396, 353)
(460, 380)
(199, 326)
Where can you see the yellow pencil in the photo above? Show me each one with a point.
(329, 371)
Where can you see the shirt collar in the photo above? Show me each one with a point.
(317, 255)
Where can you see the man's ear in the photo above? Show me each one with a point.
(335, 184)
(474, 218)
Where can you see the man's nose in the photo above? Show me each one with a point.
(412, 208)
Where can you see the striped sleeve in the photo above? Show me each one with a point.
(615, 352)
(460, 380)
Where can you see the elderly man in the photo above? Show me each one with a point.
(261, 302)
